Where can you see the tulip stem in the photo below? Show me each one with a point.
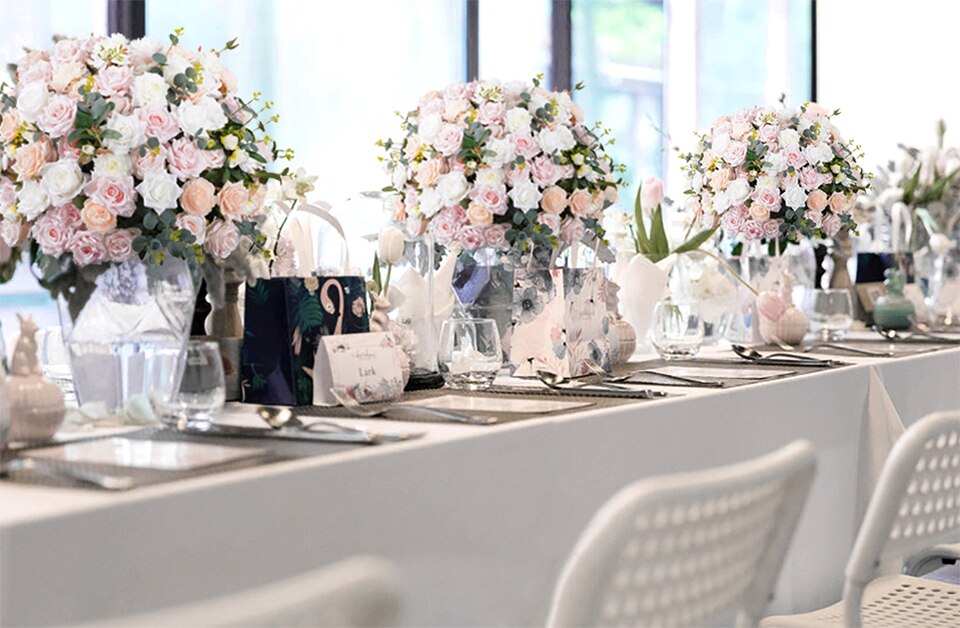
(386, 283)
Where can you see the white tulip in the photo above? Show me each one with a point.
(390, 245)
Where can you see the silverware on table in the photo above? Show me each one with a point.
(59, 471)
(853, 350)
(917, 336)
(749, 353)
(239, 431)
(691, 381)
(559, 382)
(353, 406)
(280, 418)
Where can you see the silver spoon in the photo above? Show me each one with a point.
(280, 417)
(748, 353)
(353, 406)
(553, 380)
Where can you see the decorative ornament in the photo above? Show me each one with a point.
(36, 405)
(780, 320)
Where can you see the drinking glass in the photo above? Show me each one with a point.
(201, 392)
(677, 329)
(55, 361)
(830, 312)
(470, 353)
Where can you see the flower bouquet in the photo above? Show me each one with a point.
(127, 166)
(514, 170)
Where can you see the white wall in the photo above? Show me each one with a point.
(890, 67)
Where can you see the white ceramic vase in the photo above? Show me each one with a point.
(642, 285)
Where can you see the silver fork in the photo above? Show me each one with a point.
(353, 406)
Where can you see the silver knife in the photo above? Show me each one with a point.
(239, 431)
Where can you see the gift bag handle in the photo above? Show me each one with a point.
(303, 240)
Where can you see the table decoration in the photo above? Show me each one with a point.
(470, 353)
(133, 167)
(35, 409)
(780, 320)
(363, 367)
(892, 310)
(677, 332)
(510, 174)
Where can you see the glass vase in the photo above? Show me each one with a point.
(697, 277)
(483, 285)
(123, 323)
(414, 318)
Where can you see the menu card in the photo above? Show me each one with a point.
(365, 367)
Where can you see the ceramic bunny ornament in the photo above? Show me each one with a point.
(36, 406)
(780, 320)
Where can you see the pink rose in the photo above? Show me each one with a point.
(13, 233)
(770, 306)
(69, 217)
(817, 200)
(198, 197)
(831, 225)
(495, 236)
(768, 197)
(30, 158)
(229, 80)
(69, 51)
(771, 228)
(752, 230)
(51, 235)
(40, 71)
(114, 80)
(456, 91)
(809, 178)
(544, 171)
(552, 221)
(572, 230)
(215, 159)
(195, 224)
(87, 248)
(554, 200)
(235, 110)
(152, 161)
(67, 150)
(736, 153)
(233, 200)
(768, 133)
(795, 158)
(8, 193)
(447, 223)
(121, 105)
(96, 217)
(759, 212)
(814, 216)
(222, 238)
(838, 203)
(524, 145)
(158, 122)
(186, 160)
(57, 118)
(490, 113)
(429, 171)
(471, 237)
(581, 203)
(114, 193)
(9, 125)
(449, 140)
(493, 198)
(732, 223)
(119, 244)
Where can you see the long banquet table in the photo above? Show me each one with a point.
(479, 519)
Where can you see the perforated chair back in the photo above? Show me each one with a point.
(688, 549)
(361, 592)
(916, 503)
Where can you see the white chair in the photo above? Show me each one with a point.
(916, 504)
(688, 549)
(360, 592)
(932, 558)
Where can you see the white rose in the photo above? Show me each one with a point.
(789, 138)
(794, 197)
(518, 119)
(112, 165)
(212, 69)
(399, 176)
(32, 200)
(774, 163)
(719, 143)
(696, 181)
(131, 133)
(230, 142)
(175, 65)
(430, 202)
(61, 181)
(767, 182)
(112, 49)
(738, 190)
(818, 153)
(206, 115)
(32, 99)
(148, 89)
(536, 102)
(429, 127)
(489, 177)
(502, 150)
(721, 201)
(452, 187)
(143, 49)
(553, 140)
(64, 74)
(525, 195)
(159, 191)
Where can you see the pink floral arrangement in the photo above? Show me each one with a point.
(114, 149)
(503, 166)
(766, 174)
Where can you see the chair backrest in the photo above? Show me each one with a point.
(687, 549)
(916, 502)
(360, 592)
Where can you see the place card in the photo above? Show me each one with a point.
(698, 372)
(365, 366)
(488, 404)
(146, 454)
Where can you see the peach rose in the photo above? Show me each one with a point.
(29, 160)
(838, 203)
(554, 199)
(478, 215)
(198, 197)
(817, 200)
(581, 203)
(429, 171)
(196, 225)
(222, 238)
(97, 218)
(9, 125)
(233, 200)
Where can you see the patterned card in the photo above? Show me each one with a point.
(365, 366)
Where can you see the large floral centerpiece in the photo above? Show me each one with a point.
(117, 149)
(769, 174)
(512, 167)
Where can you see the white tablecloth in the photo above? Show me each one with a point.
(480, 520)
